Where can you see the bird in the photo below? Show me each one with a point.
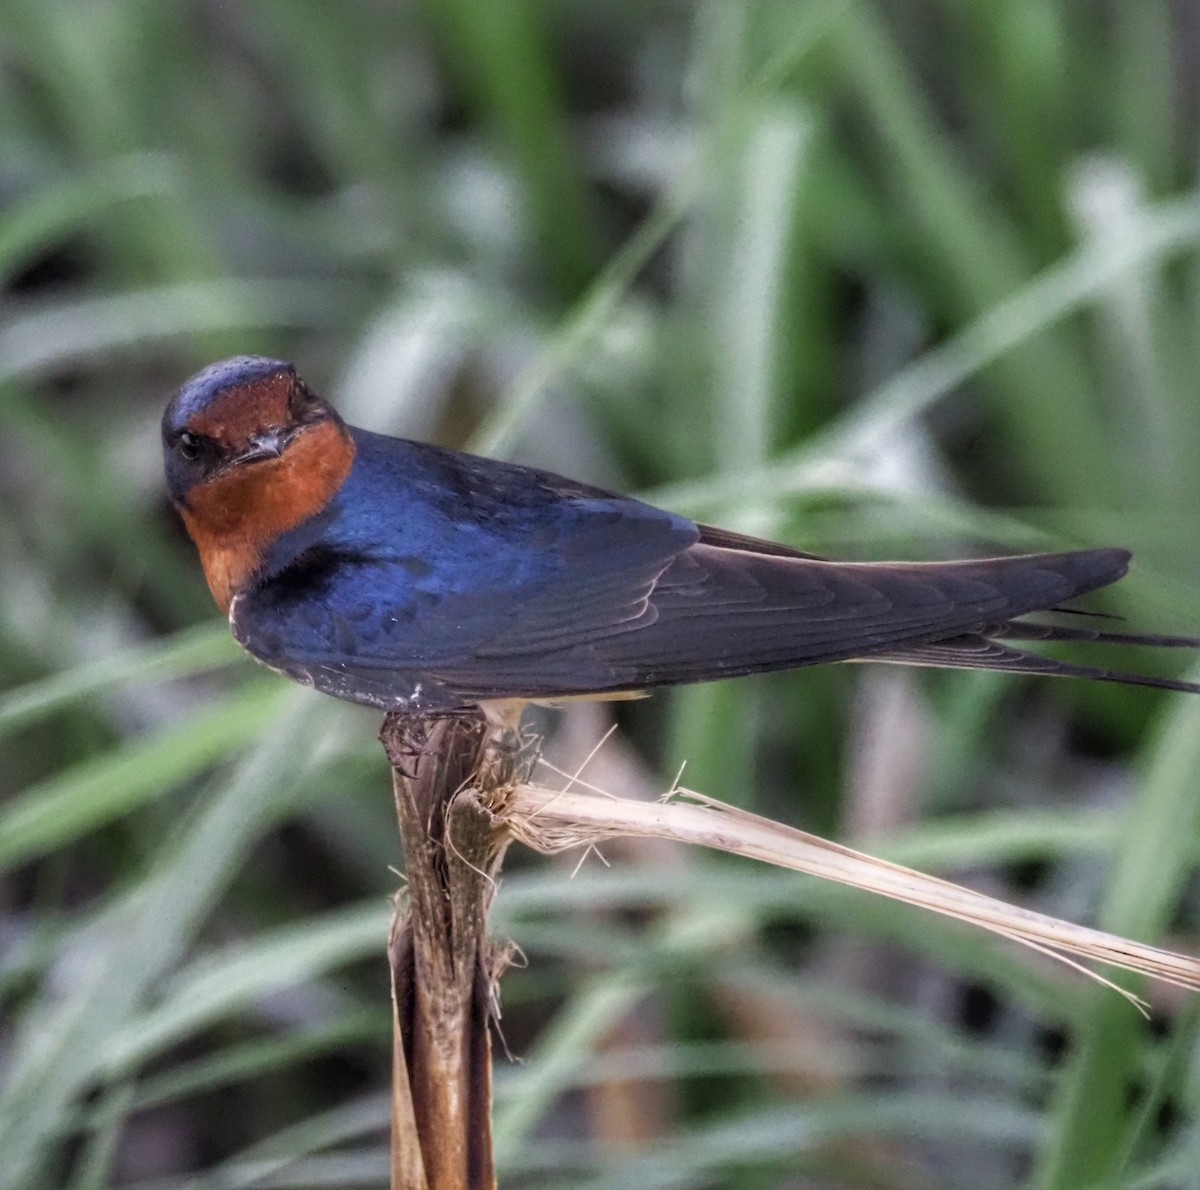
(429, 582)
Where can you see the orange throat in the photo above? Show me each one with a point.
(237, 516)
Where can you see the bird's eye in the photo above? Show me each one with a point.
(188, 445)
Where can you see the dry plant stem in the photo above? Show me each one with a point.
(443, 967)
(550, 820)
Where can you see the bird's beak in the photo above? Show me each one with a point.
(265, 446)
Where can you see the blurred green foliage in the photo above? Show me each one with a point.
(876, 278)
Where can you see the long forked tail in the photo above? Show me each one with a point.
(984, 650)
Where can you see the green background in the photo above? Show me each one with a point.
(914, 279)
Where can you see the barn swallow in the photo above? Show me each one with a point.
(414, 578)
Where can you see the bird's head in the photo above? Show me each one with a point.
(250, 453)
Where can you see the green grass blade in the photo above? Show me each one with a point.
(192, 651)
(1155, 856)
(101, 789)
(125, 954)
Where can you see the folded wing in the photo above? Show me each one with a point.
(627, 598)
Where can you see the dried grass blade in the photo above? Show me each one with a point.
(550, 820)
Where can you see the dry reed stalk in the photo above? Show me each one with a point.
(443, 967)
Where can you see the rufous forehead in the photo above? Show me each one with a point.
(245, 410)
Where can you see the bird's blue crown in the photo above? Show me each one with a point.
(199, 392)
